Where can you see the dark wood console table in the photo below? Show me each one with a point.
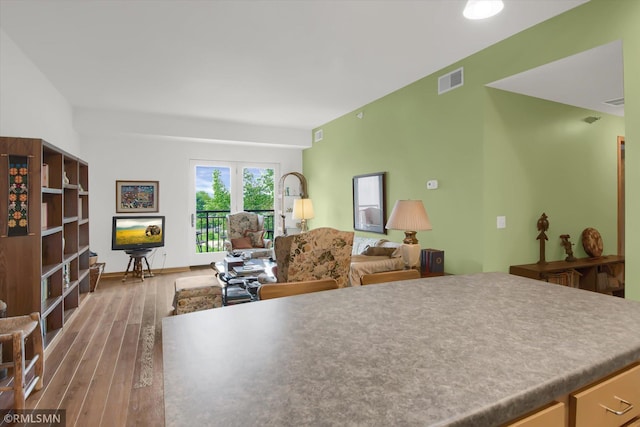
(603, 274)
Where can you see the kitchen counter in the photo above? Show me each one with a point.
(470, 350)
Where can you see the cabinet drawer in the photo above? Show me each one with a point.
(620, 393)
(552, 416)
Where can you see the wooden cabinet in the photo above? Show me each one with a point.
(611, 402)
(46, 270)
(551, 416)
(604, 274)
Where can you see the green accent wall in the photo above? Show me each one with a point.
(496, 153)
(548, 160)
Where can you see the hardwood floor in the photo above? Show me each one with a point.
(105, 368)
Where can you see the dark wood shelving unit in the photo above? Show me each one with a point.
(47, 270)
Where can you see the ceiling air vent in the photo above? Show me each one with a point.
(317, 136)
(450, 81)
(615, 102)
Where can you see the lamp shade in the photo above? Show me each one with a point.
(481, 9)
(302, 209)
(409, 215)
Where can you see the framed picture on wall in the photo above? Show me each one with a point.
(137, 196)
(369, 212)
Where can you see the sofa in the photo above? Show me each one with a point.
(371, 255)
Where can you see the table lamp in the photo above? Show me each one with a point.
(302, 210)
(409, 216)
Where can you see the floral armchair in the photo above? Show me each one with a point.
(245, 231)
(321, 253)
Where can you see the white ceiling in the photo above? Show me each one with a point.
(295, 64)
(586, 80)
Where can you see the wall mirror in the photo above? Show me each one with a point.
(369, 211)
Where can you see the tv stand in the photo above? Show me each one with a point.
(137, 256)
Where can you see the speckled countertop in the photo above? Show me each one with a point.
(472, 350)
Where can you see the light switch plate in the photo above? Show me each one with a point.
(501, 222)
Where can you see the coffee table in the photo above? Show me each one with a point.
(240, 279)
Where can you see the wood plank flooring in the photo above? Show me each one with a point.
(105, 368)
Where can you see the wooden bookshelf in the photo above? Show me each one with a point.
(47, 269)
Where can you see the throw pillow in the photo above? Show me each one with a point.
(255, 237)
(378, 251)
(241, 243)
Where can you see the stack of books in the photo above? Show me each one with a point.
(432, 261)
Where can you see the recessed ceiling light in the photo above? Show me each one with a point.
(481, 9)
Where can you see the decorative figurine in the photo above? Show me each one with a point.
(566, 244)
(543, 225)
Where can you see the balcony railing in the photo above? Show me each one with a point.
(211, 228)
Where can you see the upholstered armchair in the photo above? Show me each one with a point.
(322, 253)
(245, 231)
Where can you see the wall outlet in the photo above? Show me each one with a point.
(501, 222)
(432, 184)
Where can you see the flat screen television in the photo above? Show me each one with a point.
(130, 233)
